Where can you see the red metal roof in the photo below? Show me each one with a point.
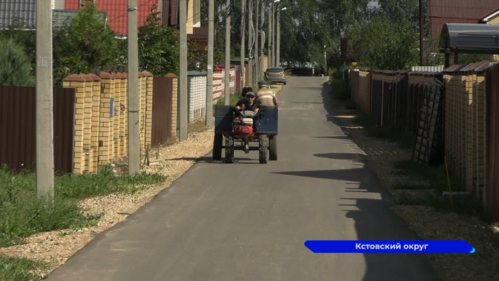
(117, 12)
(458, 11)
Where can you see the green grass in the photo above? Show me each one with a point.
(465, 206)
(17, 269)
(22, 214)
(438, 181)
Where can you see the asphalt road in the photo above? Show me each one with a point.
(249, 221)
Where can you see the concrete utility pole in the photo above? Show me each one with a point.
(227, 55)
(250, 43)
(269, 44)
(257, 35)
(325, 59)
(133, 91)
(209, 77)
(182, 93)
(278, 36)
(274, 27)
(243, 13)
(44, 102)
(262, 44)
(421, 30)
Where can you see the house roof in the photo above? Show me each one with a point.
(461, 9)
(458, 11)
(470, 38)
(26, 10)
(490, 15)
(117, 12)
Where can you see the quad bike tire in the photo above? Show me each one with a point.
(273, 148)
(229, 149)
(217, 146)
(263, 142)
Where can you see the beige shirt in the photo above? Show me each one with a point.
(266, 97)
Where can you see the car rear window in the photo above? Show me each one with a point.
(275, 70)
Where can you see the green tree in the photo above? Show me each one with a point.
(159, 48)
(84, 46)
(18, 32)
(384, 44)
(16, 65)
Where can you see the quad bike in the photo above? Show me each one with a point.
(237, 126)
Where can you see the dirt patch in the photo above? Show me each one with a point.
(429, 223)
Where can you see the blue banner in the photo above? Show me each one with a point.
(382, 246)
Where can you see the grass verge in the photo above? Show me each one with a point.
(434, 178)
(19, 269)
(24, 215)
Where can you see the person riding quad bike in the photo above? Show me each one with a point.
(249, 103)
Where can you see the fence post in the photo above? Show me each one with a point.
(148, 107)
(124, 115)
(78, 82)
(174, 91)
(106, 118)
(94, 139)
(142, 108)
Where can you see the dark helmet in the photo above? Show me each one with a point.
(246, 90)
(262, 84)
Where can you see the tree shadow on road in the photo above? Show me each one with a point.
(209, 159)
(374, 219)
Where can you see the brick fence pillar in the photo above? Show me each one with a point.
(78, 82)
(148, 77)
(117, 115)
(106, 118)
(124, 115)
(142, 108)
(174, 103)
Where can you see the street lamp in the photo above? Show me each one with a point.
(274, 28)
(278, 48)
(325, 59)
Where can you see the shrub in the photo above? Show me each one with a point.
(16, 65)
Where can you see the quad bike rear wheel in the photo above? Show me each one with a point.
(273, 148)
(217, 146)
(229, 149)
(263, 142)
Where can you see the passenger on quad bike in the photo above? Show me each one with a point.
(266, 96)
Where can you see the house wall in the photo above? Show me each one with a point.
(58, 4)
(494, 20)
(190, 18)
(197, 13)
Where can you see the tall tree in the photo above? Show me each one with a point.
(16, 67)
(85, 45)
(384, 44)
(158, 46)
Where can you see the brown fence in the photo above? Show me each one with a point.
(396, 98)
(17, 128)
(492, 192)
(162, 127)
(452, 113)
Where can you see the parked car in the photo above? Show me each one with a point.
(275, 75)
